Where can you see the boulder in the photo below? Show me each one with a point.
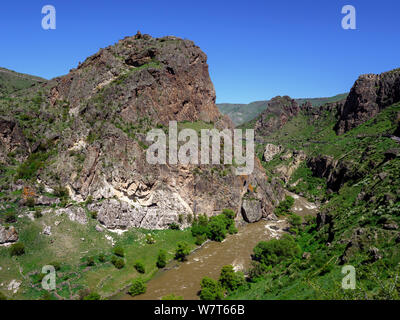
(270, 151)
(251, 210)
(8, 235)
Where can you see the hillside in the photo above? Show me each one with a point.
(11, 81)
(243, 113)
(75, 182)
(355, 178)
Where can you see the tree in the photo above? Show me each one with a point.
(229, 279)
(137, 287)
(211, 289)
(139, 266)
(217, 228)
(272, 252)
(182, 251)
(161, 259)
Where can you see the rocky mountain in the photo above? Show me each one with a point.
(370, 94)
(85, 133)
(243, 113)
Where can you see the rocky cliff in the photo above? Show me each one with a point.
(88, 131)
(279, 111)
(370, 94)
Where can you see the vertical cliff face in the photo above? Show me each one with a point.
(370, 94)
(92, 126)
(279, 111)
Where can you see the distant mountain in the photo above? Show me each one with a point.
(11, 81)
(242, 113)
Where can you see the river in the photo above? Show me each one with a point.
(183, 279)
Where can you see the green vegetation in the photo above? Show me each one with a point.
(214, 228)
(17, 249)
(182, 250)
(139, 266)
(137, 287)
(211, 289)
(360, 220)
(161, 259)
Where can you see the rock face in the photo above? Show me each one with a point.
(370, 94)
(270, 151)
(8, 235)
(286, 170)
(335, 172)
(11, 139)
(106, 107)
(279, 111)
(251, 210)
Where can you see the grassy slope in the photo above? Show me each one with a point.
(320, 276)
(11, 81)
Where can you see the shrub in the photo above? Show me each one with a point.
(90, 261)
(211, 289)
(102, 257)
(11, 217)
(38, 213)
(173, 226)
(182, 251)
(200, 239)
(30, 202)
(150, 239)
(17, 249)
(118, 262)
(137, 287)
(93, 214)
(139, 266)
(229, 279)
(118, 251)
(92, 296)
(217, 228)
(200, 226)
(284, 206)
(56, 265)
(272, 252)
(161, 259)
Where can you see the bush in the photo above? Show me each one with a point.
(182, 251)
(17, 249)
(92, 296)
(118, 251)
(56, 265)
(161, 259)
(102, 257)
(273, 252)
(90, 261)
(200, 226)
(200, 239)
(38, 213)
(30, 202)
(118, 262)
(173, 226)
(137, 287)
(217, 228)
(139, 266)
(211, 289)
(150, 239)
(284, 206)
(11, 217)
(229, 279)
(93, 214)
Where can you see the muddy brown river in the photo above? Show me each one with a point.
(183, 279)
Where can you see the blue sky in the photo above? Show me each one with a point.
(256, 49)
